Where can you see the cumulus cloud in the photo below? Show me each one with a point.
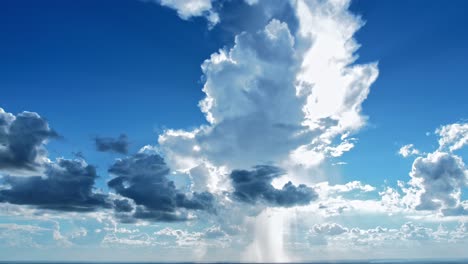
(408, 150)
(193, 8)
(22, 140)
(338, 235)
(212, 236)
(143, 178)
(255, 185)
(109, 144)
(330, 229)
(453, 136)
(277, 96)
(327, 189)
(66, 186)
(250, 102)
(438, 179)
(338, 87)
(288, 95)
(290, 98)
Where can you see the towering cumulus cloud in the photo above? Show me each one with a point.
(251, 104)
(22, 140)
(284, 95)
(278, 103)
(281, 97)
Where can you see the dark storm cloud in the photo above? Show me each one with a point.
(21, 140)
(122, 205)
(108, 144)
(255, 185)
(66, 186)
(143, 178)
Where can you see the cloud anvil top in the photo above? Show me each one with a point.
(288, 158)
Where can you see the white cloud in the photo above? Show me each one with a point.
(437, 178)
(325, 189)
(408, 150)
(354, 238)
(251, 103)
(275, 97)
(193, 8)
(141, 239)
(337, 87)
(453, 136)
(329, 229)
(212, 236)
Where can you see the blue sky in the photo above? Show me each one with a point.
(210, 90)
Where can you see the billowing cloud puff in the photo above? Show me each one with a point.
(336, 233)
(255, 186)
(108, 144)
(338, 87)
(193, 8)
(289, 98)
(66, 186)
(22, 140)
(453, 136)
(408, 150)
(330, 229)
(143, 178)
(439, 177)
(251, 104)
(327, 189)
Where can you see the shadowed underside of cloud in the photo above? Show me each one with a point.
(66, 186)
(255, 186)
(143, 178)
(440, 176)
(108, 144)
(21, 141)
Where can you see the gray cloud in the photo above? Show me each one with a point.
(66, 186)
(255, 185)
(109, 144)
(330, 229)
(143, 178)
(440, 176)
(122, 205)
(21, 141)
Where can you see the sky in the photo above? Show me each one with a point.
(217, 130)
